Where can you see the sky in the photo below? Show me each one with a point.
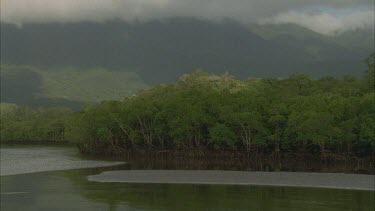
(323, 16)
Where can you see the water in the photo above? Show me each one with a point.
(70, 190)
(21, 160)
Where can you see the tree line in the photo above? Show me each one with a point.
(26, 124)
(204, 112)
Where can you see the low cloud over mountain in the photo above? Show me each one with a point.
(333, 15)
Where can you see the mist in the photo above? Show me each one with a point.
(325, 17)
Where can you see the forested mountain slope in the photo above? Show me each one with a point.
(160, 51)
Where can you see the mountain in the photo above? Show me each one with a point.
(30, 85)
(336, 55)
(360, 41)
(162, 50)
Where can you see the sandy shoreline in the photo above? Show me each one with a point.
(290, 179)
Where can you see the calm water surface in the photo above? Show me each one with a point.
(70, 190)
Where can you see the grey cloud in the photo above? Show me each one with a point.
(24, 11)
(325, 23)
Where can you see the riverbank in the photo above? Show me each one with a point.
(36, 143)
(234, 160)
(224, 160)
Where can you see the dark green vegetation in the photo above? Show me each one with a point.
(55, 56)
(208, 112)
(20, 124)
(211, 113)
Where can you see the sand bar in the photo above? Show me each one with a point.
(293, 179)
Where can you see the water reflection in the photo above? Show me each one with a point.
(243, 163)
(69, 189)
